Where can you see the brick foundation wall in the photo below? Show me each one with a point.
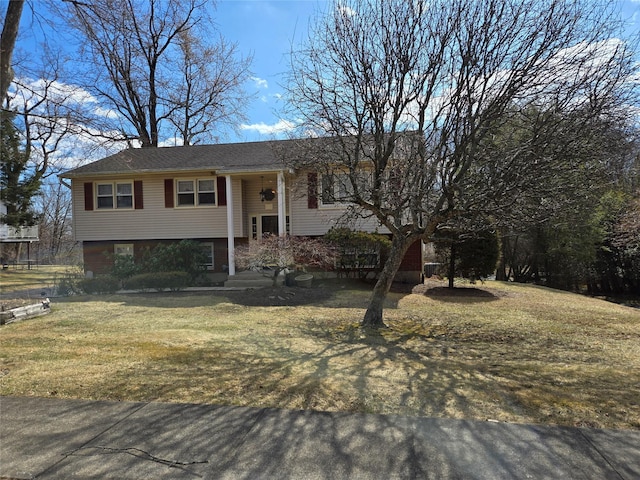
(97, 256)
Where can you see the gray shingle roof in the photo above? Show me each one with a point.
(223, 158)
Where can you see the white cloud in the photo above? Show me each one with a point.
(271, 96)
(260, 82)
(33, 92)
(346, 11)
(106, 113)
(263, 129)
(171, 142)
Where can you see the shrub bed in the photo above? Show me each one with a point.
(98, 285)
(159, 281)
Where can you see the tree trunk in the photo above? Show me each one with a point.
(7, 43)
(501, 268)
(452, 264)
(373, 315)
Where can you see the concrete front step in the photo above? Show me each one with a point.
(247, 283)
(251, 275)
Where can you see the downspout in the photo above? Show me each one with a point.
(73, 211)
(282, 213)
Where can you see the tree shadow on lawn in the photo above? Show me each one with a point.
(332, 293)
(353, 371)
(455, 295)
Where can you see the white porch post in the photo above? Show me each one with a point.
(230, 227)
(282, 210)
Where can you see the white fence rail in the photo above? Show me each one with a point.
(19, 234)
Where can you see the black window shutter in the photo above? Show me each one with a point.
(137, 195)
(168, 193)
(88, 196)
(312, 192)
(222, 191)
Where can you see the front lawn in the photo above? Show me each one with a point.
(498, 351)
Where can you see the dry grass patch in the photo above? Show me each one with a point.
(505, 352)
(15, 279)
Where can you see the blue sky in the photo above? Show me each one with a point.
(266, 29)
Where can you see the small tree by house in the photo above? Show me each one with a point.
(468, 255)
(281, 253)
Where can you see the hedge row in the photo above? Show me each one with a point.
(158, 281)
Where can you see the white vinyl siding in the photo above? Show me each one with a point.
(307, 221)
(157, 222)
(154, 221)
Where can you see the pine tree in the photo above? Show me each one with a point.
(18, 186)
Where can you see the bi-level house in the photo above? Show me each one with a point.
(219, 195)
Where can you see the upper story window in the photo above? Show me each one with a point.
(336, 188)
(114, 195)
(196, 192)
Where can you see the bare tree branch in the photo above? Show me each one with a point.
(155, 64)
(413, 91)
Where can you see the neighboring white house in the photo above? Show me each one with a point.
(9, 234)
(219, 195)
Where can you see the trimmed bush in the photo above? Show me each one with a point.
(159, 281)
(184, 256)
(68, 283)
(124, 267)
(99, 285)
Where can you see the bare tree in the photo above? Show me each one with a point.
(57, 121)
(56, 238)
(208, 95)
(447, 72)
(149, 62)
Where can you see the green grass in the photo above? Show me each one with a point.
(509, 352)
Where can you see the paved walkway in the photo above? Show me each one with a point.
(71, 439)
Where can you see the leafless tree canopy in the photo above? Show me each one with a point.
(450, 73)
(156, 65)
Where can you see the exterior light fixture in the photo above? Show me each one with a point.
(267, 194)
